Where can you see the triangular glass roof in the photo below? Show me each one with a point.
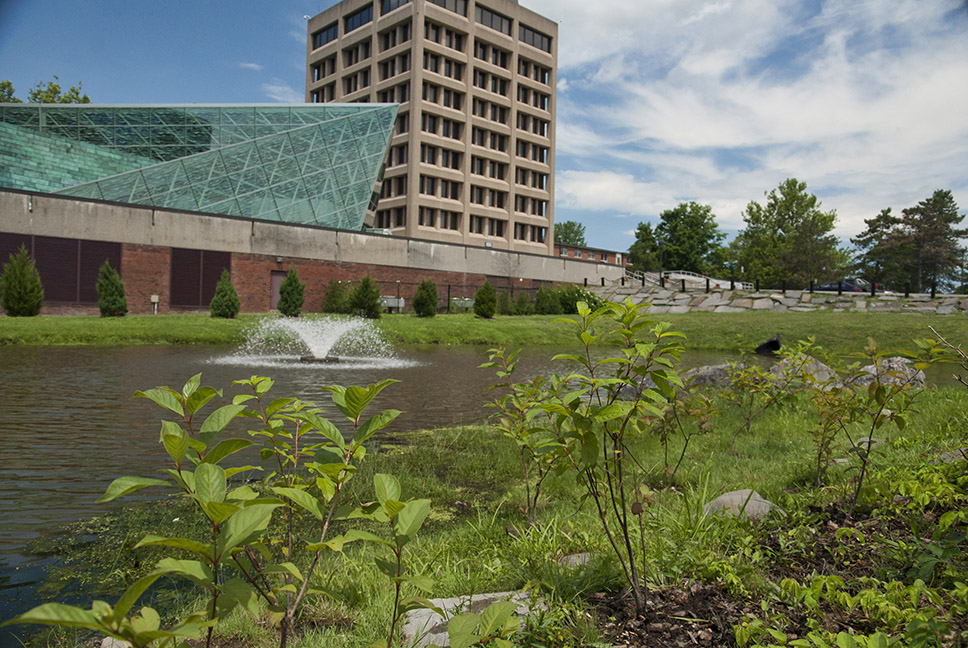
(303, 163)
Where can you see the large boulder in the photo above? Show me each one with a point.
(717, 375)
(891, 371)
(807, 368)
(742, 502)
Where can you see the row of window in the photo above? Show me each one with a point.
(324, 68)
(399, 93)
(488, 168)
(536, 125)
(491, 54)
(491, 82)
(444, 36)
(533, 206)
(398, 155)
(536, 152)
(533, 70)
(395, 217)
(602, 256)
(356, 53)
(324, 94)
(443, 96)
(442, 65)
(356, 81)
(386, 6)
(489, 139)
(488, 197)
(325, 35)
(395, 65)
(438, 219)
(539, 100)
(442, 126)
(357, 19)
(493, 20)
(489, 110)
(531, 178)
(457, 6)
(534, 38)
(397, 34)
(394, 187)
(534, 233)
(439, 187)
(488, 226)
(440, 156)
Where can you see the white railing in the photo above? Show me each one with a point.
(653, 279)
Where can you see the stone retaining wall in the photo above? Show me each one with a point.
(739, 301)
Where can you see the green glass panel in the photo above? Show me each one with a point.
(229, 135)
(250, 179)
(180, 198)
(301, 212)
(236, 116)
(255, 203)
(272, 115)
(229, 207)
(27, 116)
(214, 190)
(53, 118)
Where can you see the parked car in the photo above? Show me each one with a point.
(848, 284)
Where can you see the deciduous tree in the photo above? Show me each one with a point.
(690, 239)
(570, 233)
(644, 253)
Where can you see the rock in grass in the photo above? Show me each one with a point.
(892, 371)
(717, 375)
(742, 502)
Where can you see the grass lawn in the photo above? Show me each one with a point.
(838, 332)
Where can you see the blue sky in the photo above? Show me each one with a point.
(660, 101)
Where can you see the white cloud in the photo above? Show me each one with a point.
(719, 101)
(251, 66)
(280, 91)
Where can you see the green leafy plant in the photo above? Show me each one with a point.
(110, 292)
(485, 301)
(21, 291)
(494, 626)
(225, 303)
(609, 404)
(523, 305)
(504, 304)
(547, 302)
(364, 299)
(425, 299)
(291, 293)
(336, 300)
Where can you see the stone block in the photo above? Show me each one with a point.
(762, 304)
(729, 309)
(742, 303)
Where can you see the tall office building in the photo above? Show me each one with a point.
(471, 158)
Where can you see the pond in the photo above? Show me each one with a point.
(69, 424)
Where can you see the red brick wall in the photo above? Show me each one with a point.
(146, 271)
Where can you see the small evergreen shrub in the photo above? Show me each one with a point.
(336, 300)
(291, 294)
(523, 306)
(225, 302)
(425, 299)
(110, 292)
(504, 304)
(571, 295)
(21, 291)
(547, 301)
(365, 299)
(485, 301)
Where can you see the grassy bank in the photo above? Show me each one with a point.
(839, 332)
(477, 540)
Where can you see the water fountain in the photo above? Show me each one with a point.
(339, 342)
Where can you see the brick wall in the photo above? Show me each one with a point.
(146, 271)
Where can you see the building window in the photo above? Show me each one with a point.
(457, 6)
(325, 35)
(534, 38)
(194, 274)
(358, 18)
(389, 5)
(493, 20)
(563, 251)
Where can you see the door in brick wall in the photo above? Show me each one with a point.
(277, 279)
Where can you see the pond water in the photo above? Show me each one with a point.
(69, 424)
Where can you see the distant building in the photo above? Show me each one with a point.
(471, 158)
(590, 254)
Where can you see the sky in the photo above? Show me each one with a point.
(659, 101)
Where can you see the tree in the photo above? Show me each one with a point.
(570, 233)
(21, 291)
(929, 228)
(548, 301)
(336, 300)
(110, 292)
(690, 239)
(880, 256)
(365, 299)
(45, 92)
(644, 253)
(485, 301)
(788, 240)
(425, 299)
(291, 295)
(225, 302)
(7, 93)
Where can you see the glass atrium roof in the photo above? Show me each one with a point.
(303, 163)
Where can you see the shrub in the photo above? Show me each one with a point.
(291, 295)
(485, 301)
(225, 303)
(504, 304)
(110, 292)
(571, 295)
(21, 291)
(365, 299)
(336, 300)
(547, 302)
(523, 306)
(425, 299)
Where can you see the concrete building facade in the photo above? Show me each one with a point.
(472, 155)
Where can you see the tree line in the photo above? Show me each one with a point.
(787, 241)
